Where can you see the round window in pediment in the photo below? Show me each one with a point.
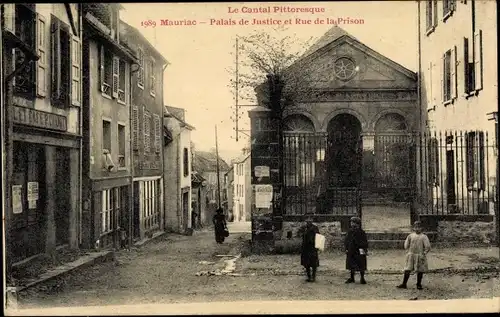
(344, 68)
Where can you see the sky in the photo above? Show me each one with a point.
(197, 79)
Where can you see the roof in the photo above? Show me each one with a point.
(207, 162)
(178, 114)
(241, 158)
(330, 36)
(196, 177)
(126, 28)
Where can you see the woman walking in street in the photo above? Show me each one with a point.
(356, 249)
(309, 256)
(220, 226)
(418, 245)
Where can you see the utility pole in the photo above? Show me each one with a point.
(217, 167)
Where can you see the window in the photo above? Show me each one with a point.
(147, 131)
(106, 135)
(106, 67)
(186, 162)
(121, 145)
(107, 211)
(135, 128)
(22, 23)
(152, 77)
(448, 8)
(431, 15)
(61, 65)
(474, 143)
(449, 80)
(150, 204)
(157, 133)
(121, 82)
(140, 73)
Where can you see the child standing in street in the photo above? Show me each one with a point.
(356, 248)
(418, 245)
(309, 256)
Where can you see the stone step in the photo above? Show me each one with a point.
(393, 236)
(386, 244)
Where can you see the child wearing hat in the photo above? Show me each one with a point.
(417, 245)
(309, 256)
(356, 249)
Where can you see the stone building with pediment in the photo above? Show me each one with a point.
(345, 141)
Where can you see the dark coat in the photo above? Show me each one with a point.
(220, 227)
(309, 255)
(355, 240)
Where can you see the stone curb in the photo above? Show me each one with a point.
(250, 272)
(145, 241)
(67, 268)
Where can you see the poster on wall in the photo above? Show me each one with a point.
(261, 171)
(17, 203)
(263, 196)
(32, 190)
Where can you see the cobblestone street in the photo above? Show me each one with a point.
(175, 269)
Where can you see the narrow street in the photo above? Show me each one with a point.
(173, 269)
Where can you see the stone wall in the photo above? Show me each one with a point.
(458, 231)
(331, 230)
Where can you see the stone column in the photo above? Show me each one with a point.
(74, 174)
(50, 194)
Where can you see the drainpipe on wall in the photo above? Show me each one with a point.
(131, 150)
(80, 154)
(162, 205)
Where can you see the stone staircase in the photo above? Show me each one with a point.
(382, 240)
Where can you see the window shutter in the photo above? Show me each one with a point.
(431, 97)
(135, 127)
(153, 78)
(157, 129)
(443, 75)
(435, 15)
(466, 66)
(116, 76)
(101, 67)
(41, 64)
(453, 75)
(56, 59)
(478, 60)
(453, 5)
(140, 73)
(76, 62)
(146, 131)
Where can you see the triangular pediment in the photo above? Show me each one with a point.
(340, 61)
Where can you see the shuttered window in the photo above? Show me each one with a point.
(478, 60)
(106, 71)
(61, 62)
(76, 66)
(140, 73)
(453, 74)
(41, 45)
(147, 131)
(157, 131)
(122, 82)
(116, 76)
(135, 128)
(152, 77)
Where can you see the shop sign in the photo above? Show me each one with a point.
(39, 119)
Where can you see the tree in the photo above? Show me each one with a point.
(272, 54)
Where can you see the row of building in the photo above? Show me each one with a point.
(93, 157)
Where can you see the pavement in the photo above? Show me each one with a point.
(167, 271)
(240, 227)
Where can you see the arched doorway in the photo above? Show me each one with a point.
(299, 164)
(392, 152)
(344, 151)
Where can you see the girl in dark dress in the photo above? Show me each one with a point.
(356, 246)
(309, 255)
(220, 226)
